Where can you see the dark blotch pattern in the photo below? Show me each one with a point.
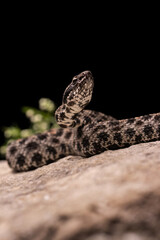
(49, 161)
(116, 129)
(103, 136)
(79, 146)
(138, 138)
(23, 140)
(71, 103)
(32, 146)
(37, 158)
(79, 132)
(87, 119)
(67, 110)
(147, 117)
(51, 150)
(63, 147)
(55, 140)
(113, 147)
(73, 124)
(20, 160)
(130, 132)
(157, 118)
(118, 138)
(98, 148)
(85, 141)
(42, 136)
(68, 135)
(98, 128)
(158, 129)
(139, 122)
(131, 120)
(63, 116)
(113, 123)
(13, 150)
(62, 125)
(148, 130)
(59, 132)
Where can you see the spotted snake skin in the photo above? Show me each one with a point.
(82, 132)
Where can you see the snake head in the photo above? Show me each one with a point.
(79, 92)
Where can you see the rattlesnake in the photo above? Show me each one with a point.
(82, 132)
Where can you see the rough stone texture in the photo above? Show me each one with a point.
(114, 195)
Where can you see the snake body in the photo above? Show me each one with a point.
(82, 132)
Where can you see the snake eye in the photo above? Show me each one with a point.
(74, 80)
(81, 77)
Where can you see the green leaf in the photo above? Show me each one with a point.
(41, 120)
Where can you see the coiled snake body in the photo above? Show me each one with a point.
(81, 132)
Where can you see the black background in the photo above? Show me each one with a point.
(40, 55)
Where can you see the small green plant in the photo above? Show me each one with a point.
(41, 120)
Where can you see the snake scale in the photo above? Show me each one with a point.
(82, 132)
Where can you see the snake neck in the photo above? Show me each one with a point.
(68, 116)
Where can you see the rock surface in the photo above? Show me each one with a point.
(114, 195)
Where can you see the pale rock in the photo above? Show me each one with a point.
(111, 196)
